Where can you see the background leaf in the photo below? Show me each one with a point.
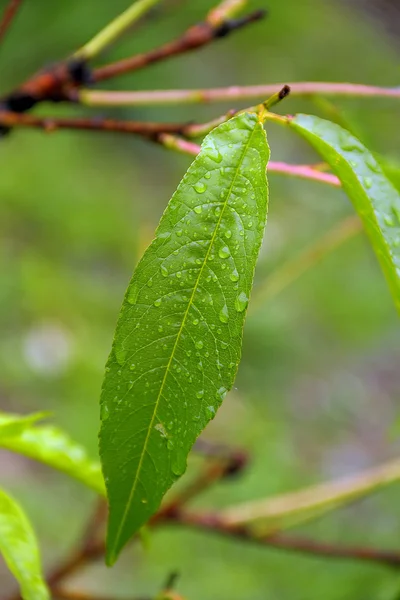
(12, 425)
(178, 339)
(19, 549)
(53, 447)
(372, 194)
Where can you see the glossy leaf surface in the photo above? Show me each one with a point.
(20, 551)
(374, 197)
(178, 339)
(53, 447)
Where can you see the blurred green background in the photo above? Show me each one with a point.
(317, 392)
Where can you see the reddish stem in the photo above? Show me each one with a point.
(8, 17)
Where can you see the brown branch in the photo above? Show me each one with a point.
(196, 37)
(211, 523)
(147, 129)
(8, 17)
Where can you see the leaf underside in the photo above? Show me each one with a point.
(19, 549)
(375, 199)
(178, 339)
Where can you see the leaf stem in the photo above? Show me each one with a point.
(114, 30)
(200, 96)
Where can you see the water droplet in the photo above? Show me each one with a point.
(234, 276)
(224, 345)
(228, 234)
(164, 271)
(368, 182)
(195, 322)
(221, 393)
(160, 328)
(143, 501)
(207, 175)
(179, 233)
(179, 274)
(133, 293)
(132, 367)
(210, 410)
(224, 252)
(200, 394)
(198, 209)
(105, 413)
(224, 314)
(214, 154)
(150, 283)
(372, 164)
(199, 344)
(170, 444)
(388, 220)
(241, 302)
(200, 187)
(157, 302)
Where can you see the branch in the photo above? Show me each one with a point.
(114, 29)
(211, 523)
(303, 171)
(156, 97)
(147, 129)
(8, 17)
(217, 24)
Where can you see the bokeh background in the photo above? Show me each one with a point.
(317, 391)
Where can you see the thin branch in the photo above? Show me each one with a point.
(217, 24)
(287, 273)
(147, 129)
(319, 498)
(156, 97)
(178, 144)
(8, 17)
(114, 30)
(211, 523)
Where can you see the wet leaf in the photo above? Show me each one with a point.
(375, 199)
(53, 447)
(178, 340)
(20, 551)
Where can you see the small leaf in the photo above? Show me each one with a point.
(12, 425)
(51, 446)
(372, 194)
(178, 340)
(19, 549)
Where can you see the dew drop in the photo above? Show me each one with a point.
(195, 322)
(224, 252)
(207, 175)
(160, 428)
(150, 283)
(234, 276)
(210, 410)
(164, 271)
(198, 209)
(199, 344)
(214, 154)
(368, 182)
(105, 413)
(224, 314)
(241, 302)
(200, 394)
(200, 187)
(221, 393)
(228, 234)
(179, 233)
(157, 302)
(132, 367)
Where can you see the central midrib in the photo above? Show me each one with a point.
(178, 338)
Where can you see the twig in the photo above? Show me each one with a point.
(303, 171)
(217, 25)
(114, 29)
(8, 17)
(211, 523)
(294, 268)
(155, 97)
(319, 498)
(147, 129)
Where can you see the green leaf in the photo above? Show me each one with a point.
(19, 549)
(51, 446)
(375, 199)
(12, 425)
(178, 339)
